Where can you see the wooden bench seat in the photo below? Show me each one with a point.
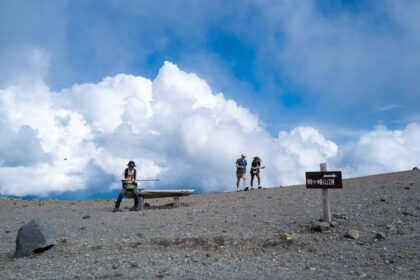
(143, 194)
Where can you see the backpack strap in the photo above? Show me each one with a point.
(135, 178)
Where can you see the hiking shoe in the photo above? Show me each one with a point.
(259, 187)
(246, 189)
(252, 188)
(116, 210)
(134, 209)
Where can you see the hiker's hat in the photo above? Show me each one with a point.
(131, 163)
(243, 155)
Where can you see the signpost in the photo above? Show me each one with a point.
(324, 180)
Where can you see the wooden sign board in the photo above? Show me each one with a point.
(324, 180)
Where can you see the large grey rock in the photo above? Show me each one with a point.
(33, 237)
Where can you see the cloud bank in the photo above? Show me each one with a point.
(174, 127)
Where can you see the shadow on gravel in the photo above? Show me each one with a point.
(147, 206)
(219, 242)
(169, 205)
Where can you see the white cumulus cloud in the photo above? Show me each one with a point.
(380, 151)
(174, 127)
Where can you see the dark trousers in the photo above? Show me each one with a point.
(258, 177)
(123, 193)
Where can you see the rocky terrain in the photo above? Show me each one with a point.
(272, 233)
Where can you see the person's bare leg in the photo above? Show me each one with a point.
(259, 179)
(244, 178)
(237, 182)
(252, 180)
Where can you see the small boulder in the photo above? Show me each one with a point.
(333, 224)
(34, 237)
(391, 227)
(415, 168)
(351, 233)
(288, 236)
(320, 226)
(380, 235)
(86, 217)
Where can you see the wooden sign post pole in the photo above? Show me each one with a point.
(325, 198)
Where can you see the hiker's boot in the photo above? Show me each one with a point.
(116, 210)
(246, 188)
(134, 208)
(259, 187)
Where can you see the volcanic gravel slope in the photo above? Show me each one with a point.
(228, 235)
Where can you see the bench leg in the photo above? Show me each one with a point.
(141, 202)
(176, 201)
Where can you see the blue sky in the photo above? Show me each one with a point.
(341, 67)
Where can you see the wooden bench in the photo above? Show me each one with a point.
(143, 194)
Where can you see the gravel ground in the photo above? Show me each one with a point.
(228, 235)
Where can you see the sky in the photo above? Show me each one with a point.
(184, 87)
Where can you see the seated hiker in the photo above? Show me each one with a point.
(255, 171)
(128, 179)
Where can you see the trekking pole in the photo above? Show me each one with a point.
(149, 180)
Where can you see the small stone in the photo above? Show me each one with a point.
(86, 217)
(333, 224)
(288, 236)
(208, 255)
(380, 235)
(114, 266)
(320, 226)
(407, 188)
(351, 233)
(383, 199)
(406, 213)
(134, 265)
(339, 216)
(391, 227)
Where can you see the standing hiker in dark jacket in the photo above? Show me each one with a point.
(128, 179)
(255, 171)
